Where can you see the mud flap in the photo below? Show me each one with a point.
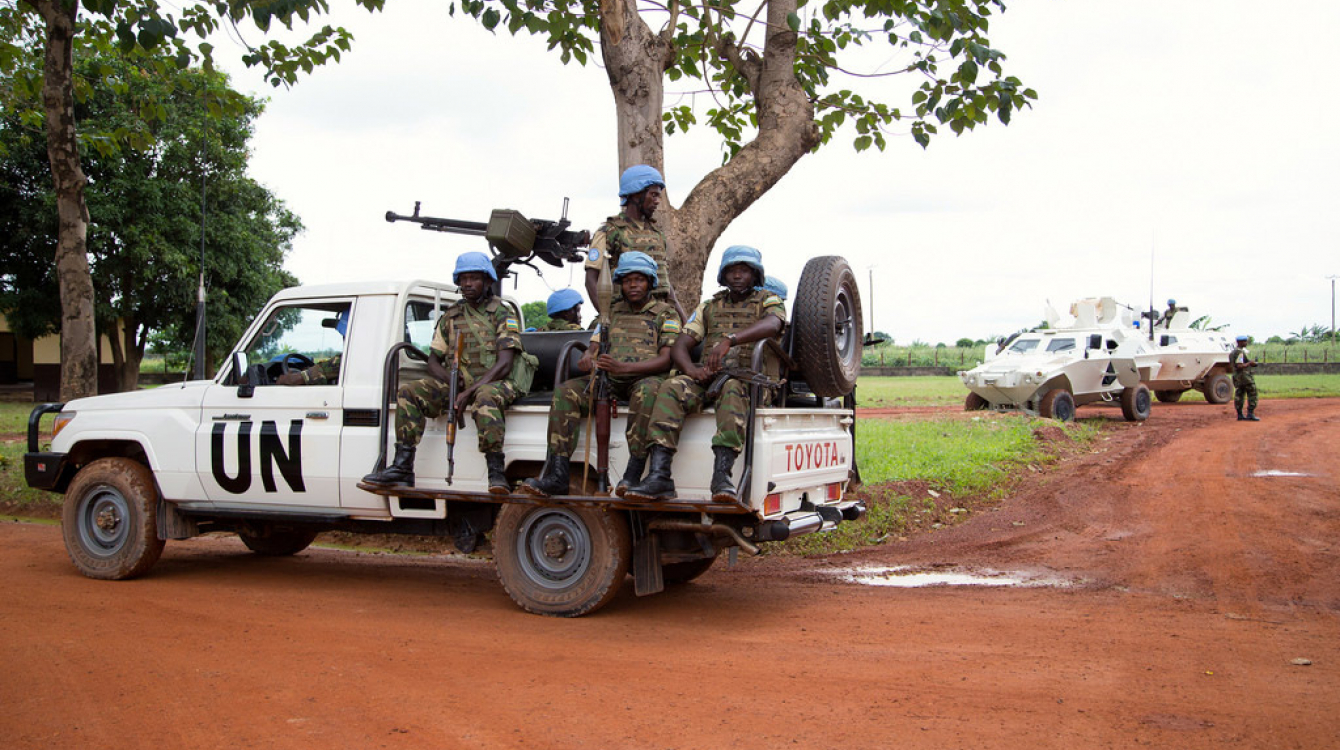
(648, 577)
(173, 524)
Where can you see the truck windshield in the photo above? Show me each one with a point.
(1060, 345)
(1023, 346)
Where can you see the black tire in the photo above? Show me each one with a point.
(561, 561)
(1218, 388)
(1168, 397)
(268, 541)
(110, 521)
(975, 402)
(828, 326)
(1136, 403)
(683, 572)
(1058, 404)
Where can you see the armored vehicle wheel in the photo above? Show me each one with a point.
(561, 561)
(271, 542)
(1136, 403)
(109, 520)
(827, 326)
(1168, 397)
(1058, 404)
(975, 402)
(1219, 388)
(683, 572)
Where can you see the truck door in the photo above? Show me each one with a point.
(278, 444)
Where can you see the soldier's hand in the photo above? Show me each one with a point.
(717, 353)
(292, 377)
(611, 365)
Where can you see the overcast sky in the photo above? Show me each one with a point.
(1197, 135)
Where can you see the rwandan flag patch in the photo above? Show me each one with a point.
(513, 325)
(670, 326)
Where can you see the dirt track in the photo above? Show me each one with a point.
(1194, 582)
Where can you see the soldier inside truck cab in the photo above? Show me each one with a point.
(492, 339)
(740, 314)
(642, 330)
(325, 371)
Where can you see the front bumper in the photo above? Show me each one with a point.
(43, 471)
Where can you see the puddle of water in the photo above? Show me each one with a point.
(1278, 473)
(905, 577)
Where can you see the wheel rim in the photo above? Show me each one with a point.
(554, 548)
(844, 327)
(1223, 389)
(104, 522)
(1142, 402)
(1065, 409)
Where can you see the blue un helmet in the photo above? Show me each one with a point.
(1244, 338)
(633, 261)
(776, 286)
(342, 322)
(478, 262)
(740, 254)
(1172, 302)
(637, 178)
(563, 299)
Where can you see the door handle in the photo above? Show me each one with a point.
(318, 415)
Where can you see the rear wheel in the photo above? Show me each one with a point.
(272, 542)
(1168, 397)
(975, 402)
(109, 520)
(1219, 388)
(1058, 404)
(827, 326)
(561, 561)
(683, 572)
(1136, 403)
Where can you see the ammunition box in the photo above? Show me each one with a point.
(510, 233)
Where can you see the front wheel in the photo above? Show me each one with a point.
(1136, 403)
(975, 402)
(1219, 388)
(561, 561)
(109, 520)
(1058, 404)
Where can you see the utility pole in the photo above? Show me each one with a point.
(871, 287)
(1333, 278)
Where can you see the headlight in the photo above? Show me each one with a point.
(62, 419)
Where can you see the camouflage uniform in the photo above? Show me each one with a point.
(619, 234)
(488, 329)
(1244, 382)
(682, 395)
(635, 336)
(558, 324)
(325, 372)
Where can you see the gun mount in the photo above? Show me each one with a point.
(512, 237)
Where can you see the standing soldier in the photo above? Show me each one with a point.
(642, 331)
(492, 341)
(1244, 382)
(641, 188)
(738, 315)
(564, 310)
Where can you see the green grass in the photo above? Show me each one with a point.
(936, 390)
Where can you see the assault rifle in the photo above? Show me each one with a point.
(453, 390)
(512, 237)
(604, 406)
(743, 374)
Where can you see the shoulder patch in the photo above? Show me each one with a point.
(593, 254)
(670, 325)
(693, 316)
(512, 325)
(772, 299)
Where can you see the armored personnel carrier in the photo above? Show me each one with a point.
(1103, 355)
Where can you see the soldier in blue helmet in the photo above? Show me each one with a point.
(564, 310)
(737, 316)
(492, 336)
(641, 189)
(1244, 382)
(1168, 314)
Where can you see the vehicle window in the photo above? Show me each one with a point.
(1060, 345)
(420, 320)
(301, 336)
(1024, 346)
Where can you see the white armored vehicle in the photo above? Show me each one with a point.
(1102, 356)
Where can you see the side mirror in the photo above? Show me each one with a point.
(241, 376)
(1111, 345)
(1095, 341)
(1163, 340)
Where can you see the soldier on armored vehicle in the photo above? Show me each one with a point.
(642, 330)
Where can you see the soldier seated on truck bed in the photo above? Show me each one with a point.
(642, 331)
(564, 310)
(740, 314)
(492, 340)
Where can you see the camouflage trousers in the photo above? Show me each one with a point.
(572, 402)
(421, 400)
(681, 396)
(1244, 389)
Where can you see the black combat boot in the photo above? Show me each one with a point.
(723, 489)
(1251, 415)
(553, 479)
(401, 470)
(497, 464)
(632, 474)
(1240, 417)
(658, 485)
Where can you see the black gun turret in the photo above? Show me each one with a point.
(512, 237)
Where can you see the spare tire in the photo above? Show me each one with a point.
(827, 326)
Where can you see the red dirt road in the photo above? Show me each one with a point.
(1195, 581)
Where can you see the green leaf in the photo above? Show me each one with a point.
(793, 20)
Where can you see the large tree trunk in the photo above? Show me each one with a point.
(78, 341)
(127, 352)
(636, 58)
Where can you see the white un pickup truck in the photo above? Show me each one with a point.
(277, 464)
